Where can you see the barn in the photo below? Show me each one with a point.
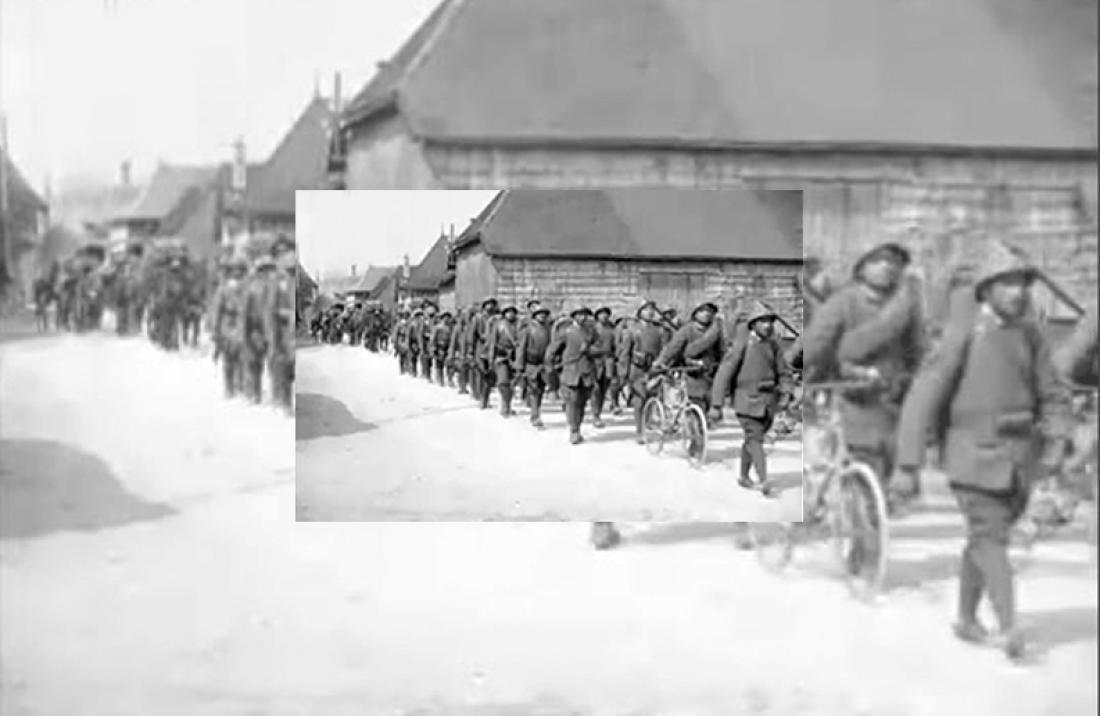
(619, 247)
(993, 133)
(427, 280)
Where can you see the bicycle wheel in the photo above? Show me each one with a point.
(654, 423)
(694, 429)
(860, 531)
(604, 535)
(773, 543)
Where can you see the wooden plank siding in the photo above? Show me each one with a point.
(623, 284)
(945, 226)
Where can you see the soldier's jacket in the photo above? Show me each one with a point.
(755, 371)
(640, 347)
(441, 337)
(229, 307)
(257, 321)
(414, 332)
(693, 342)
(573, 345)
(1078, 359)
(603, 351)
(531, 347)
(423, 335)
(794, 354)
(400, 332)
(455, 346)
(480, 333)
(281, 316)
(991, 398)
(502, 342)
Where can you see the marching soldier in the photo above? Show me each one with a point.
(553, 376)
(479, 350)
(525, 320)
(872, 328)
(257, 336)
(534, 339)
(502, 350)
(699, 342)
(400, 331)
(755, 372)
(993, 400)
(281, 333)
(621, 325)
(440, 340)
(229, 325)
(575, 346)
(424, 338)
(413, 333)
(456, 351)
(638, 352)
(603, 359)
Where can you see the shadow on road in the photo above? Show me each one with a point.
(319, 416)
(1058, 627)
(48, 487)
(687, 532)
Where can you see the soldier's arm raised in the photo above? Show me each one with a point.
(702, 344)
(823, 335)
(674, 348)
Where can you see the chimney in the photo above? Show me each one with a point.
(405, 270)
(353, 270)
(240, 166)
(337, 99)
(124, 173)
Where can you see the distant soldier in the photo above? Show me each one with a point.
(229, 326)
(526, 319)
(502, 349)
(439, 341)
(281, 332)
(455, 351)
(479, 350)
(621, 325)
(872, 328)
(400, 332)
(425, 347)
(603, 361)
(638, 352)
(257, 334)
(575, 345)
(553, 375)
(413, 330)
(993, 400)
(755, 372)
(531, 347)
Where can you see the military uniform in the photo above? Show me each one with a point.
(502, 350)
(992, 399)
(603, 359)
(700, 344)
(229, 327)
(479, 348)
(641, 346)
(257, 326)
(534, 339)
(866, 328)
(756, 373)
(440, 341)
(575, 345)
(281, 362)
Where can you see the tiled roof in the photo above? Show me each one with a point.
(299, 162)
(644, 224)
(167, 188)
(432, 269)
(1015, 74)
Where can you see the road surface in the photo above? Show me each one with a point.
(375, 445)
(150, 563)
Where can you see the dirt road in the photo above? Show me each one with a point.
(150, 564)
(375, 445)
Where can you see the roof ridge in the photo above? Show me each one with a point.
(450, 9)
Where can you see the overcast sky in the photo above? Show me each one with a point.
(89, 83)
(336, 229)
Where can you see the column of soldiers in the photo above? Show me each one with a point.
(594, 362)
(990, 395)
(362, 323)
(253, 324)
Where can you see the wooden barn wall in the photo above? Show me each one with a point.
(623, 285)
(382, 155)
(947, 226)
(476, 277)
(463, 167)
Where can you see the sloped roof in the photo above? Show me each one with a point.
(1005, 74)
(167, 188)
(299, 162)
(373, 278)
(20, 192)
(339, 284)
(432, 269)
(644, 224)
(305, 281)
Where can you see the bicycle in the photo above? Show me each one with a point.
(669, 414)
(843, 498)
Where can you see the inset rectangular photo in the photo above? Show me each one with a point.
(531, 355)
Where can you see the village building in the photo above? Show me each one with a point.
(993, 133)
(265, 205)
(179, 201)
(24, 219)
(305, 294)
(619, 247)
(426, 280)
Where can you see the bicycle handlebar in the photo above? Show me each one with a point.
(832, 386)
(677, 370)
